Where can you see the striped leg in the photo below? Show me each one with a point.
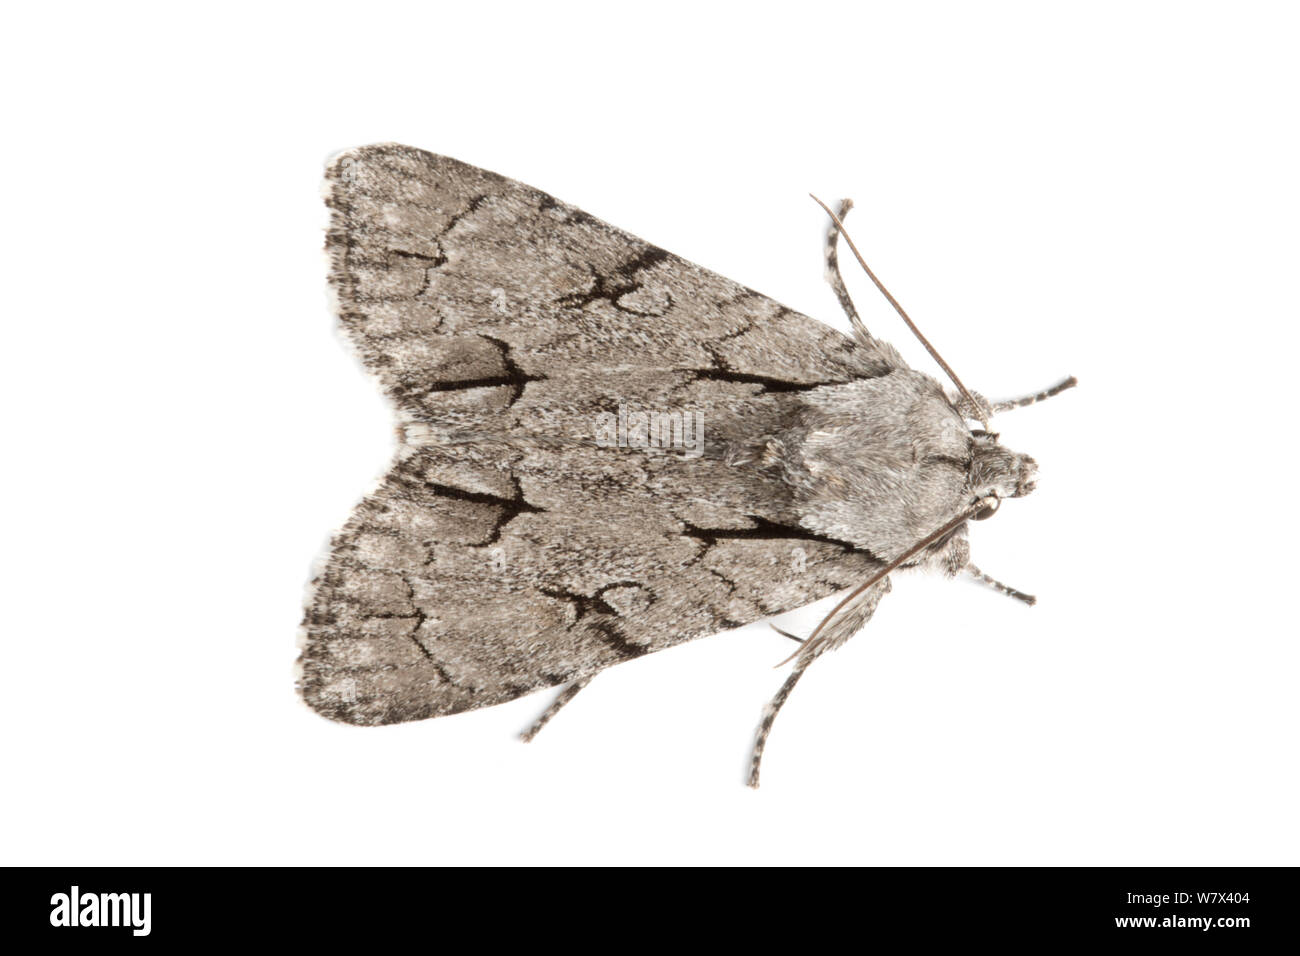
(769, 717)
(836, 279)
(1056, 389)
(997, 585)
(557, 705)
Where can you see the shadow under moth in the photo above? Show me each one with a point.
(606, 450)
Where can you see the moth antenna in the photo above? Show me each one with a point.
(811, 645)
(979, 415)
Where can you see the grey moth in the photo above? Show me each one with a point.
(607, 450)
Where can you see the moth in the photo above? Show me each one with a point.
(606, 450)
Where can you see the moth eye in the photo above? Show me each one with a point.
(988, 510)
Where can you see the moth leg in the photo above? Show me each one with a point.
(1056, 389)
(838, 627)
(557, 705)
(997, 585)
(836, 280)
(769, 717)
(784, 633)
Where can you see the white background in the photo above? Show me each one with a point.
(1107, 190)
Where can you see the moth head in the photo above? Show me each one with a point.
(997, 472)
